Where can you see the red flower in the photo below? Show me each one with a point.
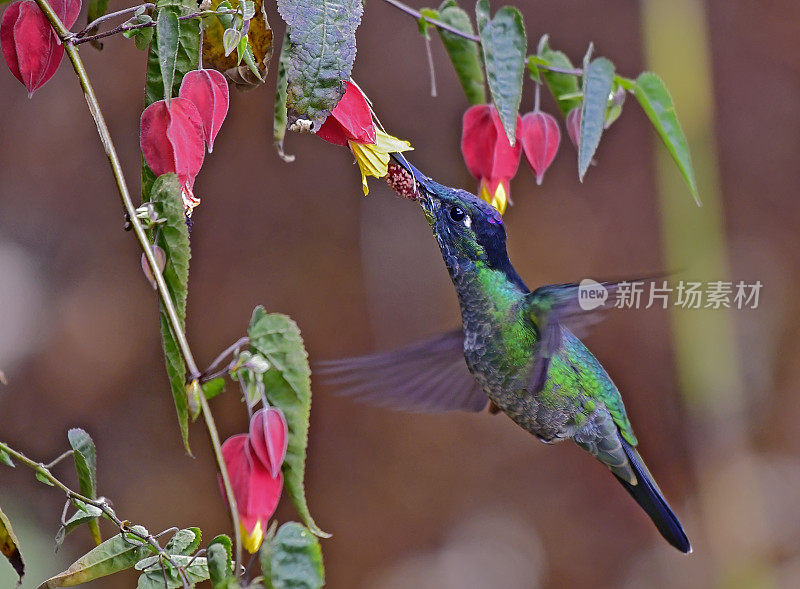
(172, 140)
(254, 464)
(208, 90)
(350, 123)
(351, 120)
(488, 153)
(574, 126)
(30, 46)
(540, 139)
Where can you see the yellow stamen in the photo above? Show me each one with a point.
(373, 158)
(252, 540)
(498, 200)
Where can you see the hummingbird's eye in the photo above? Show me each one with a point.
(457, 214)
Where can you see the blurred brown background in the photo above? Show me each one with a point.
(418, 500)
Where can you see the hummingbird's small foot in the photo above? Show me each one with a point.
(494, 409)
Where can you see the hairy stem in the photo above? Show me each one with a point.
(141, 236)
(43, 471)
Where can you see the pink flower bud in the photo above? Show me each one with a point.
(161, 261)
(29, 44)
(208, 90)
(172, 139)
(255, 490)
(540, 139)
(269, 438)
(574, 125)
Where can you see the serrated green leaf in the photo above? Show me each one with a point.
(187, 60)
(6, 459)
(220, 563)
(168, 30)
(482, 13)
(464, 54)
(185, 541)
(154, 577)
(230, 40)
(85, 456)
(9, 546)
(85, 515)
(560, 85)
(213, 387)
(279, 115)
(248, 10)
(115, 554)
(174, 240)
(288, 386)
(321, 54)
(293, 559)
(143, 38)
(504, 44)
(598, 79)
(657, 103)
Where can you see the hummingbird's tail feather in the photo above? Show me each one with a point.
(649, 497)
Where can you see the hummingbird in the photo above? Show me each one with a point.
(514, 352)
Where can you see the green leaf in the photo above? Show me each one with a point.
(85, 455)
(288, 386)
(9, 546)
(85, 515)
(213, 387)
(42, 477)
(174, 240)
(482, 13)
(220, 563)
(153, 577)
(187, 60)
(422, 22)
(321, 54)
(279, 116)
(230, 40)
(598, 79)
(185, 541)
(560, 85)
(293, 558)
(504, 44)
(143, 38)
(463, 53)
(5, 458)
(168, 30)
(657, 103)
(115, 554)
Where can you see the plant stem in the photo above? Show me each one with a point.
(79, 38)
(451, 29)
(432, 21)
(144, 243)
(111, 15)
(43, 471)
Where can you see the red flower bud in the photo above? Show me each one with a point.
(574, 125)
(351, 120)
(255, 490)
(172, 139)
(29, 44)
(540, 139)
(269, 438)
(208, 90)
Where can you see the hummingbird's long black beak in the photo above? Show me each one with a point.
(423, 182)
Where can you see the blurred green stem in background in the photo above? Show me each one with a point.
(677, 46)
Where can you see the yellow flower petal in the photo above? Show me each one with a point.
(373, 158)
(252, 540)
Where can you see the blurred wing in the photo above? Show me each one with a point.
(429, 376)
(553, 308)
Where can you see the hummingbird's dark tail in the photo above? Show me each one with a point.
(649, 497)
